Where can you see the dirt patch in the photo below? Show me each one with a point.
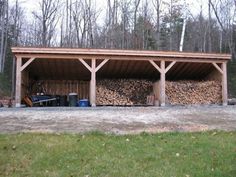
(119, 120)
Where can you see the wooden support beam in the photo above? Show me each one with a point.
(85, 64)
(170, 66)
(101, 64)
(163, 83)
(27, 64)
(162, 71)
(218, 68)
(155, 65)
(18, 81)
(93, 84)
(199, 59)
(224, 84)
(93, 69)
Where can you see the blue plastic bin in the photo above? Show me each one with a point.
(83, 103)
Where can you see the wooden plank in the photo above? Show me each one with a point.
(204, 67)
(85, 64)
(135, 58)
(27, 63)
(18, 81)
(125, 68)
(194, 70)
(93, 84)
(112, 52)
(163, 80)
(170, 66)
(101, 64)
(147, 67)
(224, 84)
(129, 73)
(180, 70)
(176, 68)
(155, 65)
(218, 68)
(63, 87)
(120, 68)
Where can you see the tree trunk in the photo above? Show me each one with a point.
(171, 25)
(209, 27)
(157, 8)
(135, 41)
(3, 17)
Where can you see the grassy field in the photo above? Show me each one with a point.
(95, 154)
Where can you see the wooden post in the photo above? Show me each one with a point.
(224, 84)
(93, 83)
(18, 81)
(163, 83)
(93, 69)
(163, 70)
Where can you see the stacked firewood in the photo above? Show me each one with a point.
(193, 92)
(7, 102)
(122, 92)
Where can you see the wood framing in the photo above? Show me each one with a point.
(170, 66)
(155, 65)
(93, 83)
(18, 81)
(163, 83)
(86, 65)
(162, 70)
(183, 62)
(224, 84)
(222, 69)
(101, 64)
(27, 64)
(93, 69)
(218, 68)
(90, 53)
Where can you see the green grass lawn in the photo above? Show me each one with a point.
(95, 154)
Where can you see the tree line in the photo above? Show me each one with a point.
(121, 24)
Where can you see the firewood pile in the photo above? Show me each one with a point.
(193, 92)
(123, 92)
(7, 102)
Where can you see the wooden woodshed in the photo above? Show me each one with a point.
(79, 68)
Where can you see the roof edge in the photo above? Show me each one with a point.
(117, 52)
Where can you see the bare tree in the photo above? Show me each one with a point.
(48, 19)
(209, 27)
(157, 6)
(3, 32)
(136, 6)
(77, 20)
(225, 12)
(16, 21)
(112, 19)
(171, 24)
(172, 17)
(125, 24)
(89, 17)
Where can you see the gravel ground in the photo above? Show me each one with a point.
(119, 120)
